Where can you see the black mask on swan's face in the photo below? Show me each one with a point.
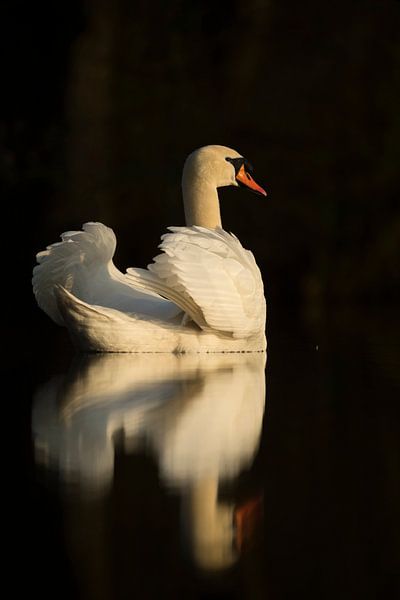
(242, 174)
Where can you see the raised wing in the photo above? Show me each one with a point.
(209, 274)
(82, 264)
(68, 262)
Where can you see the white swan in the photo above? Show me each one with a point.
(203, 293)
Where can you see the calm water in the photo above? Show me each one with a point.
(215, 477)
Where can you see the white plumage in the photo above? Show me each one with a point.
(203, 293)
(211, 277)
(82, 264)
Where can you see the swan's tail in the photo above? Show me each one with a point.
(67, 264)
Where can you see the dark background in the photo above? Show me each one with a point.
(102, 101)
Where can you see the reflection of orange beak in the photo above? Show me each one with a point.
(247, 518)
(245, 179)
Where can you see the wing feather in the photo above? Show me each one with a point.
(66, 263)
(211, 276)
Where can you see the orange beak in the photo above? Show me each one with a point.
(245, 179)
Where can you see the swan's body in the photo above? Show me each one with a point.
(204, 293)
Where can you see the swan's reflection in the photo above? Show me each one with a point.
(200, 415)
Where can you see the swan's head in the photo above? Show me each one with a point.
(220, 166)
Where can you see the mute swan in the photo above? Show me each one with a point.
(203, 293)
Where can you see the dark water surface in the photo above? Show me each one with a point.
(211, 477)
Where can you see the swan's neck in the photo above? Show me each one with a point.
(201, 202)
